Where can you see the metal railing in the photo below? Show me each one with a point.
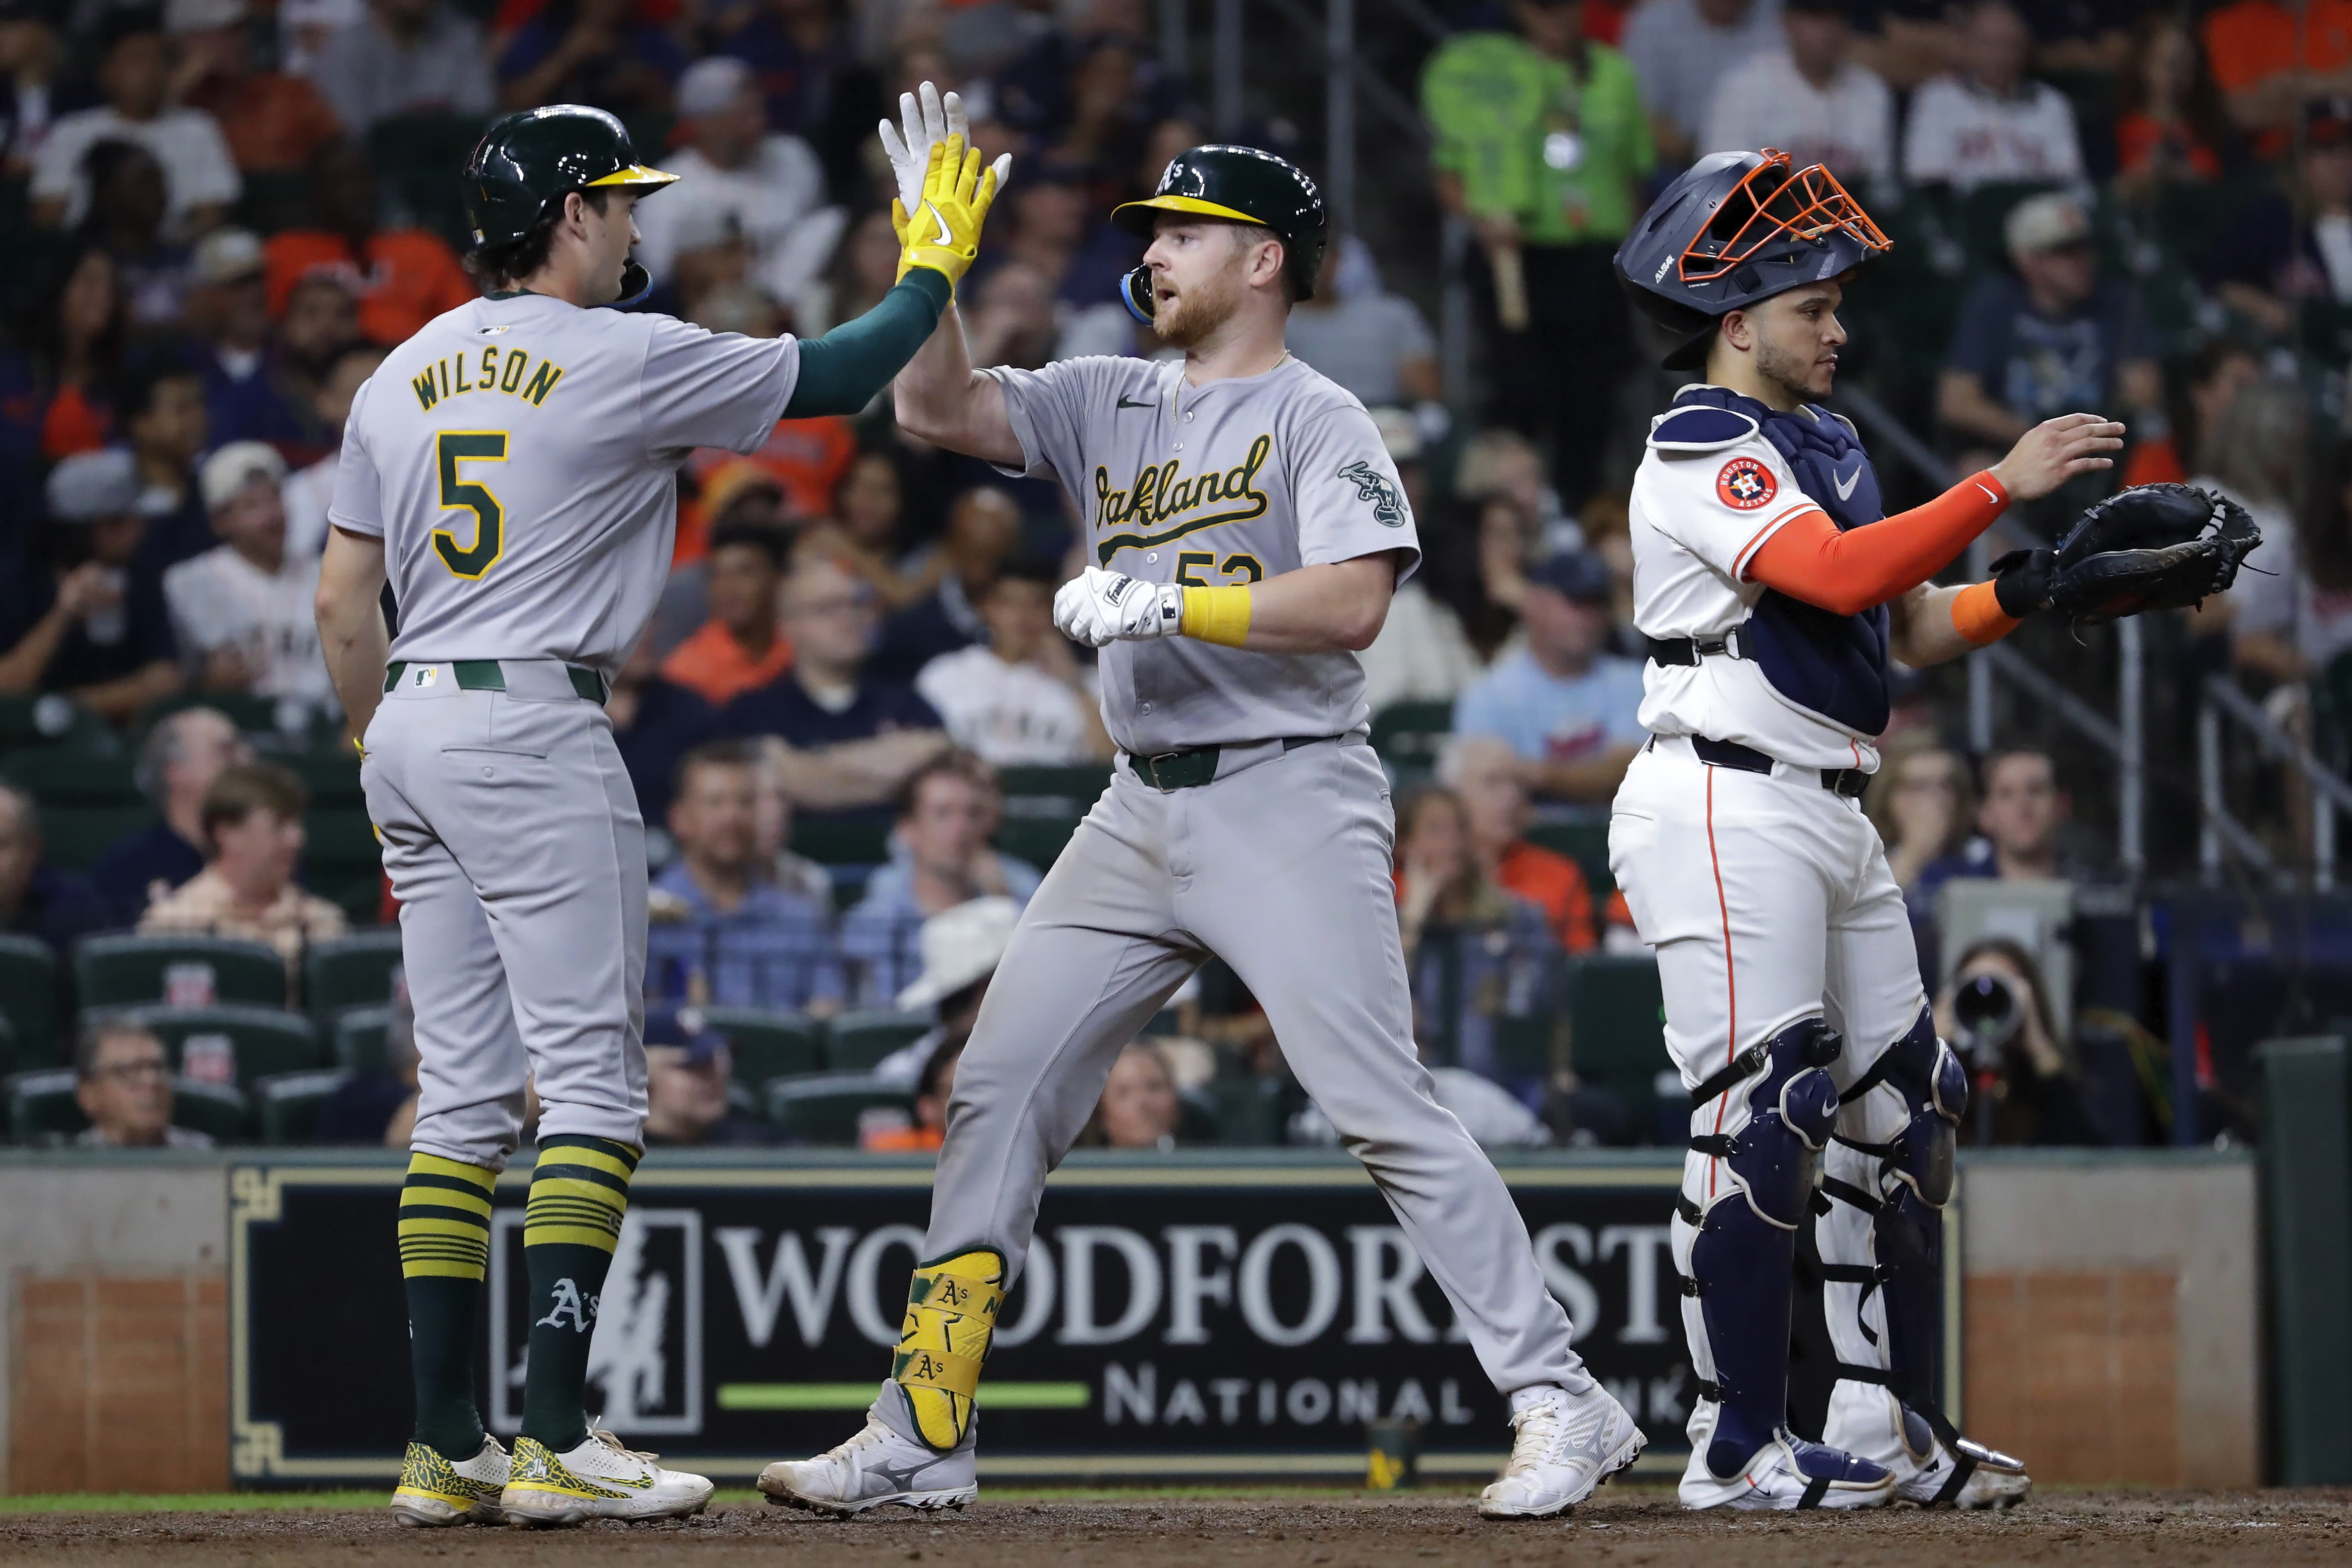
(2329, 794)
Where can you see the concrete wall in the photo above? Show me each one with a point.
(2110, 1311)
(113, 1314)
(2113, 1314)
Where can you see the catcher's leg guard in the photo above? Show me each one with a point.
(1878, 1234)
(1742, 1240)
(951, 1316)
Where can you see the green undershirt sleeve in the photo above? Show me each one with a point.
(842, 371)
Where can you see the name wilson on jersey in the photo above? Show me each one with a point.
(508, 371)
(1162, 494)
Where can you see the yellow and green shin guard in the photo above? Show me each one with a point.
(950, 1314)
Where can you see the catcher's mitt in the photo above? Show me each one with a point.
(2153, 547)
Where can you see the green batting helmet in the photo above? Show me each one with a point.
(529, 161)
(1242, 184)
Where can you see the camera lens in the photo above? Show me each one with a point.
(1985, 1009)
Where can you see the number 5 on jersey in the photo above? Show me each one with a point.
(454, 447)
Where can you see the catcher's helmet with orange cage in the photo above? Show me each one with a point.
(1738, 228)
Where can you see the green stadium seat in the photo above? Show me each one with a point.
(262, 1041)
(28, 1002)
(331, 774)
(359, 1038)
(251, 715)
(828, 1109)
(858, 843)
(1409, 735)
(1080, 782)
(76, 836)
(353, 971)
(857, 1042)
(60, 775)
(1039, 840)
(1249, 1107)
(1616, 1027)
(53, 719)
(1200, 1117)
(221, 1114)
(765, 1045)
(125, 971)
(1584, 840)
(42, 1108)
(285, 1105)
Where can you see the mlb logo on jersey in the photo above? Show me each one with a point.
(1746, 484)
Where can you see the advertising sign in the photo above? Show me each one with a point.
(1177, 1316)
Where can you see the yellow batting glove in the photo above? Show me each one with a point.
(957, 193)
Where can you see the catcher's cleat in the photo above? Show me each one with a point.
(1563, 1448)
(888, 1462)
(598, 1479)
(432, 1492)
(1791, 1473)
(1965, 1475)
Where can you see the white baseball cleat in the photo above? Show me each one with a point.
(1791, 1473)
(1562, 1447)
(883, 1463)
(437, 1490)
(598, 1479)
(1991, 1479)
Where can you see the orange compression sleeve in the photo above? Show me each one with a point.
(1848, 572)
(1978, 616)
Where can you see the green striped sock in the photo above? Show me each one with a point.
(578, 1196)
(444, 1249)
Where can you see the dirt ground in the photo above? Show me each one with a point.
(1626, 1525)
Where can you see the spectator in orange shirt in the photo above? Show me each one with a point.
(273, 122)
(87, 322)
(401, 278)
(1484, 772)
(739, 648)
(2170, 126)
(2270, 57)
(2194, 403)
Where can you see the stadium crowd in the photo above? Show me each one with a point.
(852, 716)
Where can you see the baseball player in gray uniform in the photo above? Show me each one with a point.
(1244, 530)
(511, 469)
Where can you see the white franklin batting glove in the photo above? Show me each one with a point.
(929, 120)
(1097, 607)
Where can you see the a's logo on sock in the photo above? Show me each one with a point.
(569, 1303)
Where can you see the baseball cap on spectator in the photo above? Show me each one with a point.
(91, 484)
(1579, 577)
(685, 1027)
(2049, 221)
(229, 470)
(228, 256)
(2327, 121)
(710, 84)
(961, 946)
(202, 15)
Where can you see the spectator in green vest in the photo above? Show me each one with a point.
(1542, 142)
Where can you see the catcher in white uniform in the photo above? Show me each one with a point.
(1773, 593)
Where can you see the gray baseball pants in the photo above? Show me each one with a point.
(1280, 866)
(512, 838)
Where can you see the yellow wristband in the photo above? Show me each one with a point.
(1216, 615)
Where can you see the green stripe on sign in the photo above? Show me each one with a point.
(858, 1396)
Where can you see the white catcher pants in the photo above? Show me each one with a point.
(1767, 898)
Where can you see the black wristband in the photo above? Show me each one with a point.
(2020, 581)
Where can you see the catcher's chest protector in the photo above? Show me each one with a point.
(1832, 665)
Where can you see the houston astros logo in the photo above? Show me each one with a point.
(1746, 484)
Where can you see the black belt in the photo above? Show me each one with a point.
(1847, 782)
(1690, 650)
(488, 675)
(1196, 765)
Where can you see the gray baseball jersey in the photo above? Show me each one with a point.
(1228, 484)
(519, 457)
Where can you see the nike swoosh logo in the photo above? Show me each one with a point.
(1123, 402)
(1845, 486)
(1989, 496)
(946, 234)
